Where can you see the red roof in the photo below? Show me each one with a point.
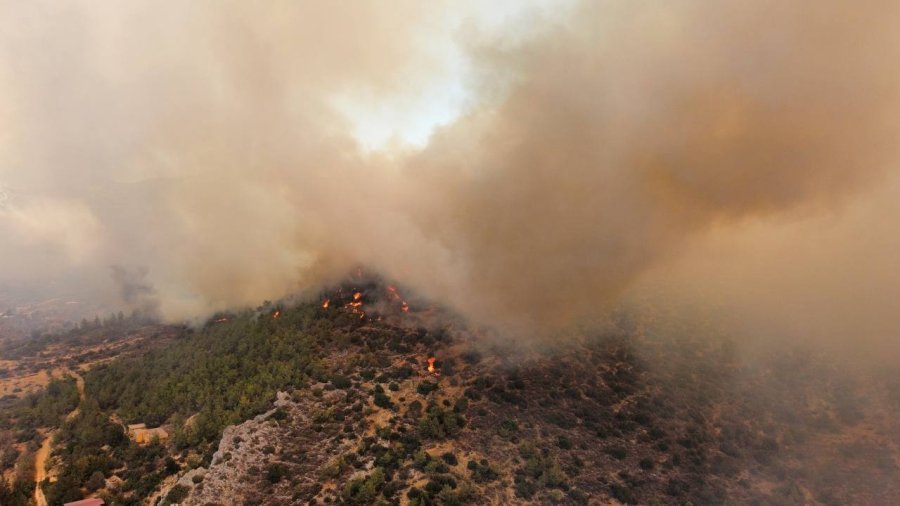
(87, 502)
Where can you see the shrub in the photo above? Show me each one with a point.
(96, 481)
(178, 494)
(426, 387)
(275, 472)
(508, 427)
(482, 472)
(341, 382)
(622, 493)
(383, 401)
(617, 452)
(438, 423)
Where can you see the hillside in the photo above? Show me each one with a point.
(332, 401)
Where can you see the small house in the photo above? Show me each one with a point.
(142, 435)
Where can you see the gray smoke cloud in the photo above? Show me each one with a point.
(136, 291)
(608, 151)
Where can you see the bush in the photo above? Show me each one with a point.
(438, 423)
(341, 382)
(617, 452)
(426, 387)
(95, 482)
(275, 472)
(622, 493)
(172, 467)
(383, 401)
(482, 472)
(178, 494)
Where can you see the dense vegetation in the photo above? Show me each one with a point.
(43, 409)
(19, 423)
(220, 375)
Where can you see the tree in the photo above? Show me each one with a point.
(96, 481)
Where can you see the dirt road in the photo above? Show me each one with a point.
(40, 458)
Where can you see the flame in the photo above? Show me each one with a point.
(325, 304)
(277, 314)
(431, 365)
(355, 305)
(220, 320)
(396, 296)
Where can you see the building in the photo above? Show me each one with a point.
(142, 435)
(86, 502)
(134, 427)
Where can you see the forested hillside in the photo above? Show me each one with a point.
(638, 412)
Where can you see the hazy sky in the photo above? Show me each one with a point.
(529, 164)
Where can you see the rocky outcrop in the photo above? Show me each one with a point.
(276, 455)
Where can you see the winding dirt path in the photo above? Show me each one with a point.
(40, 458)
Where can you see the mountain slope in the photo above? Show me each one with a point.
(637, 412)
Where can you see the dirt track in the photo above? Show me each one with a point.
(40, 458)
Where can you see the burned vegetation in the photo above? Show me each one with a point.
(363, 397)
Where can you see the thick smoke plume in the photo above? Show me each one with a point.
(136, 292)
(605, 151)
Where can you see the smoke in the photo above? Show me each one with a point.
(136, 292)
(616, 147)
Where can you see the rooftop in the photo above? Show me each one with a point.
(87, 502)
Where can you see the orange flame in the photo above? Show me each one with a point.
(431, 365)
(220, 320)
(355, 305)
(277, 314)
(396, 296)
(325, 304)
